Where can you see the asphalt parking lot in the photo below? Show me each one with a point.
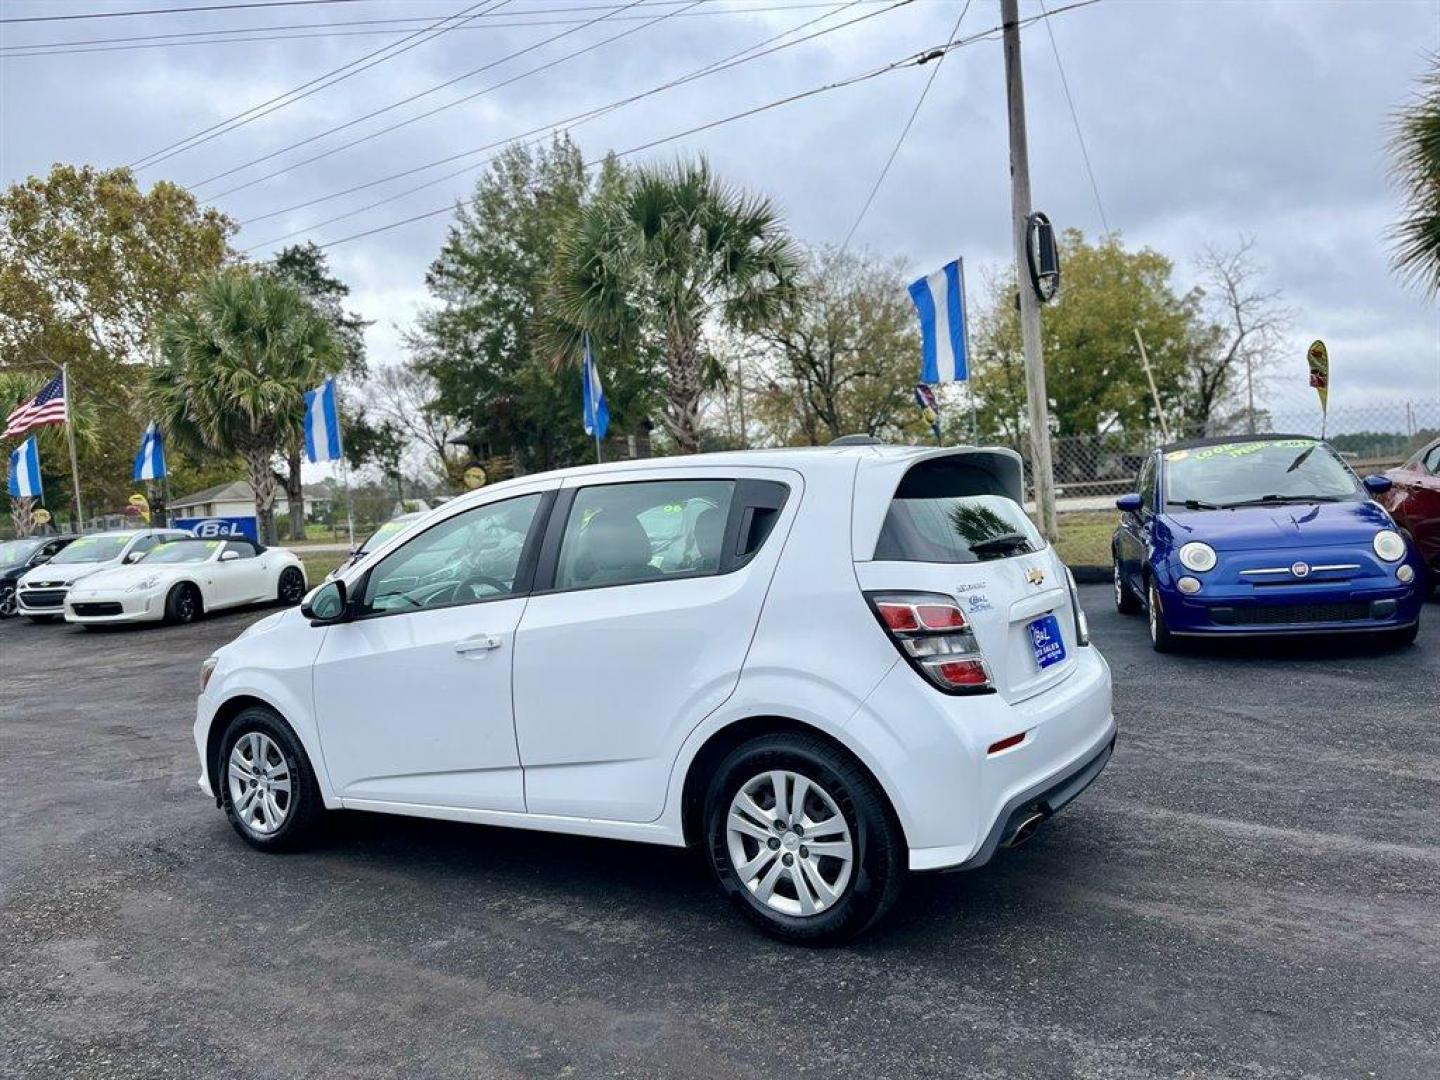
(1252, 889)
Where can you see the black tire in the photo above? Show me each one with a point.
(7, 601)
(182, 604)
(290, 589)
(304, 810)
(1160, 637)
(1126, 602)
(878, 867)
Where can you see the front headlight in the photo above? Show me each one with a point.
(144, 583)
(1389, 545)
(207, 668)
(1198, 557)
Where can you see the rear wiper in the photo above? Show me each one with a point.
(1266, 499)
(1193, 504)
(1002, 542)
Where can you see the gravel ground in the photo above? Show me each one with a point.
(1250, 890)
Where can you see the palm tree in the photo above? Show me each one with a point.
(674, 250)
(235, 363)
(1416, 146)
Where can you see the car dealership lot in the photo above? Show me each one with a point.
(1249, 889)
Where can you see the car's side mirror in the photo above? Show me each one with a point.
(1377, 484)
(1129, 503)
(134, 557)
(39, 560)
(229, 556)
(326, 604)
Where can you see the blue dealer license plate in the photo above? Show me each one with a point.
(1045, 638)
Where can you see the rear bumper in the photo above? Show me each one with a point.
(932, 754)
(1044, 800)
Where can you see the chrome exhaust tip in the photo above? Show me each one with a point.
(1024, 830)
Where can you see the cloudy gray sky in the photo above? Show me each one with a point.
(1205, 120)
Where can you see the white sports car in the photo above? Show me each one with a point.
(177, 582)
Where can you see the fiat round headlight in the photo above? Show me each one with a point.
(1389, 545)
(1198, 557)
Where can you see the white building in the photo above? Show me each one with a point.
(237, 499)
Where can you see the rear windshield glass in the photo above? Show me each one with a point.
(951, 513)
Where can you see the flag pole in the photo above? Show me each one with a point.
(344, 475)
(70, 438)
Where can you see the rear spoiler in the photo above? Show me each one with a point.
(878, 477)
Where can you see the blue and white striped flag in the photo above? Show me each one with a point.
(150, 462)
(322, 424)
(940, 300)
(597, 409)
(25, 470)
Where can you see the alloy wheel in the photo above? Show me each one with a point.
(260, 789)
(1119, 588)
(789, 843)
(292, 586)
(185, 605)
(8, 604)
(1153, 614)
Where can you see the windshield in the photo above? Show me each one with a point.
(101, 548)
(17, 551)
(384, 533)
(1254, 473)
(182, 551)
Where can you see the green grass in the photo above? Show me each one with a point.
(1085, 538)
(320, 564)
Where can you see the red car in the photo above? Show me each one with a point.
(1414, 500)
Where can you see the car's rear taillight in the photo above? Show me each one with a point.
(933, 634)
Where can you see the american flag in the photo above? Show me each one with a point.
(47, 407)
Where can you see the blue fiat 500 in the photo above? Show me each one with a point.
(1267, 534)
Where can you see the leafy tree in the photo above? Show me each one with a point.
(305, 267)
(1093, 370)
(234, 359)
(1415, 144)
(844, 357)
(88, 265)
(481, 343)
(672, 253)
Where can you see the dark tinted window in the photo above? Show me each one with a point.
(244, 548)
(1147, 483)
(619, 534)
(1431, 461)
(952, 511)
(470, 557)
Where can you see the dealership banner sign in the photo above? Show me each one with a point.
(247, 527)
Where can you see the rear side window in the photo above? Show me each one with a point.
(947, 512)
(619, 534)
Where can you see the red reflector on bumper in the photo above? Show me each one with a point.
(1006, 743)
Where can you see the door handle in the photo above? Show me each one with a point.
(479, 643)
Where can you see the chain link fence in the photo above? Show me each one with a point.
(1092, 470)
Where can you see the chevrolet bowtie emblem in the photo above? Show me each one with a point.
(1035, 576)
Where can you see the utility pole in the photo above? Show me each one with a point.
(1041, 469)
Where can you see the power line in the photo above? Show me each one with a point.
(434, 89)
(895, 150)
(172, 11)
(519, 18)
(1075, 119)
(734, 60)
(568, 124)
(305, 89)
(912, 60)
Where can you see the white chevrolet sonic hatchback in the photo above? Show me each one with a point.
(823, 667)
